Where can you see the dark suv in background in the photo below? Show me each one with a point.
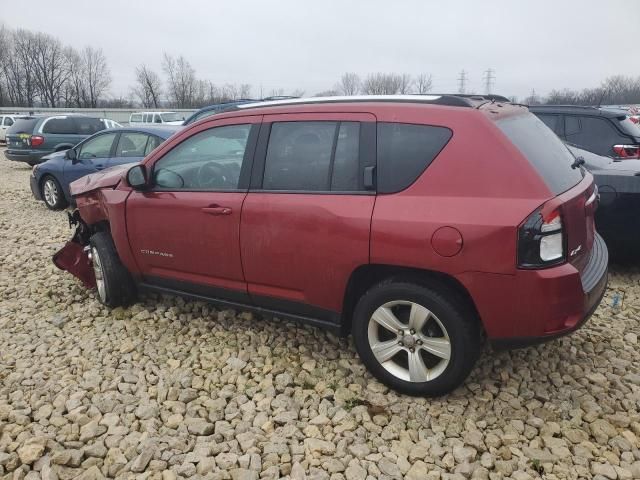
(31, 138)
(603, 131)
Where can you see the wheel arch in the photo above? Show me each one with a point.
(366, 276)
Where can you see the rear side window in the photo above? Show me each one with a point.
(405, 151)
(88, 126)
(8, 121)
(136, 117)
(131, 144)
(153, 143)
(313, 156)
(60, 126)
(544, 150)
(595, 134)
(23, 125)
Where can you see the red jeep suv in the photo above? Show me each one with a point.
(419, 224)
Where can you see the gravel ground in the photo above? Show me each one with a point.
(169, 388)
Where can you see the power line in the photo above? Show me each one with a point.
(489, 77)
(462, 81)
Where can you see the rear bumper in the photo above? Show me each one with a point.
(27, 156)
(536, 306)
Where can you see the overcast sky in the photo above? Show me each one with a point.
(289, 44)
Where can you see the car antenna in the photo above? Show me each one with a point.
(604, 91)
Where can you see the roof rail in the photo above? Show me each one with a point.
(450, 100)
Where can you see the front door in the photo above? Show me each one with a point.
(306, 221)
(184, 232)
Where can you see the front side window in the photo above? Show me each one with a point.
(405, 151)
(131, 144)
(209, 160)
(313, 156)
(8, 121)
(97, 147)
(88, 126)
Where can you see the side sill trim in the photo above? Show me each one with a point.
(315, 322)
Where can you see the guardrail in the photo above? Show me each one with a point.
(120, 115)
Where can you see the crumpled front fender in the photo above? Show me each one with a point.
(74, 258)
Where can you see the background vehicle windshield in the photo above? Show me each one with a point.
(24, 125)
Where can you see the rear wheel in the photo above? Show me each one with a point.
(416, 339)
(114, 284)
(52, 193)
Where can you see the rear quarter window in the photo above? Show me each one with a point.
(60, 126)
(544, 150)
(405, 151)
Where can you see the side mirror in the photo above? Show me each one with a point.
(137, 177)
(71, 155)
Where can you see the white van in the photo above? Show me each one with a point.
(163, 118)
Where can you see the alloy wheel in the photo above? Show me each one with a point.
(99, 273)
(409, 341)
(50, 192)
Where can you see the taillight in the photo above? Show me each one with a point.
(541, 240)
(36, 140)
(627, 152)
(635, 119)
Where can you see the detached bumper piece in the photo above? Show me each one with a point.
(74, 256)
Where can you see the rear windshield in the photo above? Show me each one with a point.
(544, 150)
(23, 125)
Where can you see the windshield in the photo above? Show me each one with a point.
(544, 150)
(171, 117)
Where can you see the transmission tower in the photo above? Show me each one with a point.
(462, 81)
(489, 77)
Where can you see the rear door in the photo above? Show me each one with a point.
(306, 220)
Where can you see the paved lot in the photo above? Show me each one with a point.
(171, 388)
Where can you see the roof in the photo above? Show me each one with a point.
(448, 100)
(577, 109)
(164, 131)
(148, 112)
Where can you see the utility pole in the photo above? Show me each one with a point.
(489, 77)
(462, 81)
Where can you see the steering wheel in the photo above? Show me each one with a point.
(211, 174)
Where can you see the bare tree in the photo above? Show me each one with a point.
(148, 88)
(328, 93)
(382, 84)
(404, 83)
(181, 81)
(349, 84)
(423, 83)
(50, 67)
(19, 70)
(97, 75)
(74, 89)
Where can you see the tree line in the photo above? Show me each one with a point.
(37, 69)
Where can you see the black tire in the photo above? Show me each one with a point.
(55, 199)
(459, 325)
(118, 286)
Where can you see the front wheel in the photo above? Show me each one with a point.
(52, 193)
(114, 284)
(416, 339)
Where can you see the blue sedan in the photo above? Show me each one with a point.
(50, 180)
